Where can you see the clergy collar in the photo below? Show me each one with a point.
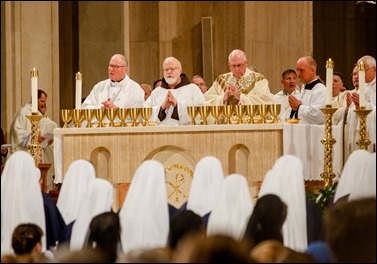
(309, 86)
(115, 84)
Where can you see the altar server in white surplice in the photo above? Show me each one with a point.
(289, 81)
(313, 96)
(20, 133)
(370, 103)
(119, 90)
(170, 100)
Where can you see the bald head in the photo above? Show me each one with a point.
(306, 69)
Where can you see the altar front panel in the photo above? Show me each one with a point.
(116, 152)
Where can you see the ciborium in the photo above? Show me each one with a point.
(88, 116)
(111, 114)
(66, 116)
(192, 111)
(216, 112)
(146, 113)
(122, 114)
(99, 114)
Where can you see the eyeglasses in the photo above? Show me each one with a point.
(171, 69)
(115, 67)
(234, 66)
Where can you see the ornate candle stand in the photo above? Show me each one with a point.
(328, 141)
(363, 142)
(35, 147)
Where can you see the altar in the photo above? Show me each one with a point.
(248, 149)
(116, 152)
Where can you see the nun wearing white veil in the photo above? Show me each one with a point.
(76, 181)
(206, 186)
(366, 185)
(97, 199)
(286, 180)
(21, 198)
(353, 169)
(144, 215)
(232, 209)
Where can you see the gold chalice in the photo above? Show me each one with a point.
(134, 114)
(264, 110)
(122, 114)
(228, 112)
(77, 117)
(257, 116)
(99, 113)
(239, 110)
(111, 114)
(250, 113)
(275, 112)
(216, 112)
(204, 111)
(66, 116)
(146, 113)
(192, 112)
(88, 116)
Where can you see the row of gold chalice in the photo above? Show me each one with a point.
(138, 115)
(236, 114)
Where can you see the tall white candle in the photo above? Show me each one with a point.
(361, 84)
(78, 90)
(34, 90)
(329, 81)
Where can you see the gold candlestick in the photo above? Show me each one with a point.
(328, 141)
(363, 142)
(35, 147)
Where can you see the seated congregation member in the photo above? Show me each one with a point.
(350, 231)
(266, 221)
(289, 81)
(20, 133)
(170, 100)
(183, 225)
(240, 85)
(21, 198)
(217, 248)
(104, 235)
(313, 96)
(273, 251)
(26, 244)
